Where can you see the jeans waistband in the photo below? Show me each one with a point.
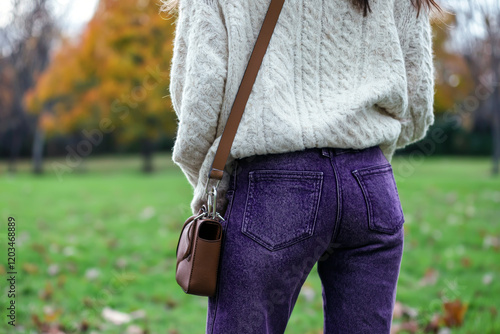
(328, 151)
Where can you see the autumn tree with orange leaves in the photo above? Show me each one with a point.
(112, 81)
(453, 78)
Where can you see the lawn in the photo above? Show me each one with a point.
(102, 239)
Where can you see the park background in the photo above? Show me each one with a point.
(86, 131)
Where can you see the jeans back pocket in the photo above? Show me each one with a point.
(385, 213)
(281, 206)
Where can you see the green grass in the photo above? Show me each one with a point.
(105, 236)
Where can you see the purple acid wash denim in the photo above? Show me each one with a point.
(337, 207)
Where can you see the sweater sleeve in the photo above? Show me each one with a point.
(416, 43)
(197, 81)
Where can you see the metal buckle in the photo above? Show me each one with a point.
(203, 214)
(212, 201)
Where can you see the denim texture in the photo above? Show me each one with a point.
(286, 212)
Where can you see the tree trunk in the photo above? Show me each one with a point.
(496, 131)
(147, 155)
(15, 148)
(496, 113)
(38, 142)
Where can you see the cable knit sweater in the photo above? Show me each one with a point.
(330, 78)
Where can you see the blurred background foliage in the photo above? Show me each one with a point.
(111, 81)
(97, 251)
(107, 86)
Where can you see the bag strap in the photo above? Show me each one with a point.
(260, 47)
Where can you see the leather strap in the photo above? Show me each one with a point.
(234, 118)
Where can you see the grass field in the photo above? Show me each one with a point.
(104, 238)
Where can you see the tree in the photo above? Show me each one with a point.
(453, 78)
(25, 46)
(478, 38)
(112, 80)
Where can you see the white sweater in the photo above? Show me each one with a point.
(330, 78)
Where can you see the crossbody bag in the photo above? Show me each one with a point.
(199, 246)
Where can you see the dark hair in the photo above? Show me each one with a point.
(364, 5)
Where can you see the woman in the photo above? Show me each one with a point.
(342, 85)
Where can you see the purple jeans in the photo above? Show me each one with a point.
(337, 207)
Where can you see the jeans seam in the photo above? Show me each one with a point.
(368, 200)
(232, 190)
(376, 169)
(219, 278)
(339, 200)
(318, 203)
(232, 177)
(216, 303)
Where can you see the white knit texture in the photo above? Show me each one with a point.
(330, 78)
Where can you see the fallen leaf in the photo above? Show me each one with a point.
(434, 324)
(470, 211)
(308, 293)
(53, 269)
(171, 303)
(493, 311)
(487, 278)
(22, 238)
(44, 327)
(430, 277)
(454, 313)
(410, 326)
(38, 323)
(84, 326)
(148, 213)
(138, 314)
(395, 328)
(401, 311)
(46, 293)
(491, 241)
(88, 302)
(466, 262)
(68, 251)
(50, 314)
(56, 330)
(39, 248)
(406, 327)
(397, 311)
(451, 197)
(61, 280)
(112, 243)
(134, 329)
(72, 267)
(121, 263)
(115, 317)
(30, 268)
(92, 273)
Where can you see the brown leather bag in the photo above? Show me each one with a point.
(199, 246)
